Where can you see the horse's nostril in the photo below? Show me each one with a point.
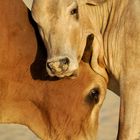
(64, 61)
(64, 64)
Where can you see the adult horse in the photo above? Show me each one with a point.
(53, 109)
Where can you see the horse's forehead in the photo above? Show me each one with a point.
(51, 3)
(58, 4)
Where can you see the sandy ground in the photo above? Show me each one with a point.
(107, 130)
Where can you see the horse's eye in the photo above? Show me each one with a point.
(93, 96)
(74, 11)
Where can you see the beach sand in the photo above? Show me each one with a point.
(107, 127)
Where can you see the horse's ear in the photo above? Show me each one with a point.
(95, 2)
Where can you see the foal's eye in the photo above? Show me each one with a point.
(93, 96)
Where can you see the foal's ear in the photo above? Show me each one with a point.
(95, 2)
